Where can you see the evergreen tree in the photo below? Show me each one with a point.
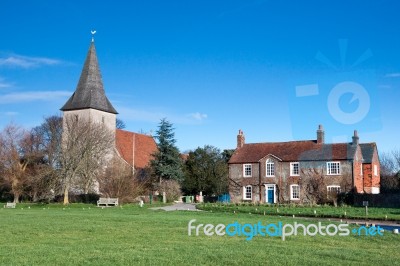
(167, 162)
(207, 171)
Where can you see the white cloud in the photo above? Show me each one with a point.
(31, 96)
(27, 61)
(198, 116)
(140, 115)
(392, 75)
(11, 113)
(154, 116)
(4, 84)
(384, 86)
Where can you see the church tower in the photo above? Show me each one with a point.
(89, 100)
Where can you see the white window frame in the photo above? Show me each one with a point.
(361, 170)
(329, 168)
(333, 188)
(245, 192)
(269, 168)
(375, 170)
(292, 169)
(292, 192)
(244, 170)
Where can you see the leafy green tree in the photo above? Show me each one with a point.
(167, 163)
(227, 154)
(206, 170)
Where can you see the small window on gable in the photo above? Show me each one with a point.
(247, 192)
(375, 170)
(294, 192)
(76, 118)
(270, 168)
(294, 169)
(247, 171)
(333, 168)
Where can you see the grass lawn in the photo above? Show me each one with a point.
(389, 214)
(51, 235)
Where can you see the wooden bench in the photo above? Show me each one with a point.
(10, 205)
(107, 202)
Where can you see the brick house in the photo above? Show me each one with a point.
(301, 171)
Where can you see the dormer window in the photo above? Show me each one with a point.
(270, 168)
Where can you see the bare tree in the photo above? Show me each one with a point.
(85, 147)
(120, 124)
(49, 134)
(313, 186)
(14, 163)
(120, 180)
(390, 164)
(46, 180)
(396, 157)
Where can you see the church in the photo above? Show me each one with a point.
(90, 102)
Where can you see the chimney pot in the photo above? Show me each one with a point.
(356, 139)
(320, 135)
(240, 139)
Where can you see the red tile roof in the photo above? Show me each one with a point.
(292, 151)
(136, 149)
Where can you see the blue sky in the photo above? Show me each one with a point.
(275, 69)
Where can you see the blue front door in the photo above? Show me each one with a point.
(270, 195)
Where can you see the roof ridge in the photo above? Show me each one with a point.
(278, 142)
(127, 131)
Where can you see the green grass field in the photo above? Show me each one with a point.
(77, 235)
(323, 211)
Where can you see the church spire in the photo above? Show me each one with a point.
(90, 92)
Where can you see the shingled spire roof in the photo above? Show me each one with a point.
(90, 92)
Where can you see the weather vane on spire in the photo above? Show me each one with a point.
(93, 33)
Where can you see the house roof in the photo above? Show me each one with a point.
(292, 151)
(367, 150)
(90, 92)
(136, 149)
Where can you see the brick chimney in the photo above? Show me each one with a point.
(240, 139)
(320, 135)
(356, 139)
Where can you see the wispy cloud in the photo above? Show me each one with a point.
(393, 75)
(11, 113)
(140, 115)
(22, 61)
(154, 116)
(384, 86)
(31, 96)
(4, 84)
(197, 116)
